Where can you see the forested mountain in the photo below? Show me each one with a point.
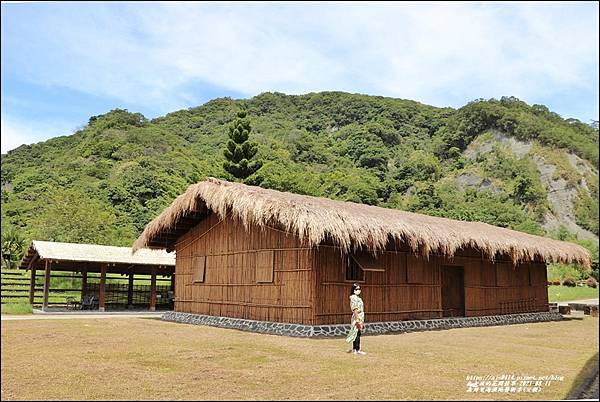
(503, 162)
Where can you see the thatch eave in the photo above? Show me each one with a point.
(352, 225)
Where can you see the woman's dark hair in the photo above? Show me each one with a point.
(354, 286)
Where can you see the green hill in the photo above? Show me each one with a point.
(499, 161)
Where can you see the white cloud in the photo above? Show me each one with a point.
(442, 54)
(12, 137)
(421, 51)
(16, 133)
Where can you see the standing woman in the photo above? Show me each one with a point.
(358, 320)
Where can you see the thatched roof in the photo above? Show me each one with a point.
(77, 252)
(350, 225)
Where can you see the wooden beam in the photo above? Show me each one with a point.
(33, 259)
(130, 291)
(172, 236)
(189, 222)
(107, 275)
(48, 267)
(32, 287)
(94, 267)
(153, 289)
(102, 290)
(182, 226)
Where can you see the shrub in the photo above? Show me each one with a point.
(569, 281)
(562, 271)
(592, 282)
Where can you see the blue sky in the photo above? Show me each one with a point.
(64, 62)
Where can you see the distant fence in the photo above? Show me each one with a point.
(14, 288)
(117, 293)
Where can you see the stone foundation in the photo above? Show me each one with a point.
(340, 330)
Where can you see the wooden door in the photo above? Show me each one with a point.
(453, 291)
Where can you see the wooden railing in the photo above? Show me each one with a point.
(117, 293)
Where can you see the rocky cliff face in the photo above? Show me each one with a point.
(563, 194)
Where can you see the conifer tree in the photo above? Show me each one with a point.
(240, 151)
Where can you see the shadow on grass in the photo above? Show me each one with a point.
(571, 318)
(584, 379)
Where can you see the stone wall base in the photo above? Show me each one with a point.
(339, 330)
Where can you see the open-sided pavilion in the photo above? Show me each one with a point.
(93, 258)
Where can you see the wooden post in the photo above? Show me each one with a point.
(130, 291)
(32, 287)
(172, 299)
(153, 289)
(31, 266)
(48, 267)
(102, 300)
(83, 284)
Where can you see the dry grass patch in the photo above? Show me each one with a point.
(150, 359)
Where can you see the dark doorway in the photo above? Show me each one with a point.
(453, 292)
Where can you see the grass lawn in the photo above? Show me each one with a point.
(151, 359)
(565, 293)
(16, 308)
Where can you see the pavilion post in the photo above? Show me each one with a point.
(102, 291)
(130, 291)
(83, 284)
(172, 293)
(48, 267)
(153, 289)
(32, 287)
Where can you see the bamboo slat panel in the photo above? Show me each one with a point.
(253, 273)
(489, 287)
(387, 295)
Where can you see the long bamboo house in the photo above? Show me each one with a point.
(259, 254)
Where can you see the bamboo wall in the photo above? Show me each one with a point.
(411, 287)
(231, 286)
(500, 288)
(388, 295)
(309, 287)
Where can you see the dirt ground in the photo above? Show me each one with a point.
(145, 358)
